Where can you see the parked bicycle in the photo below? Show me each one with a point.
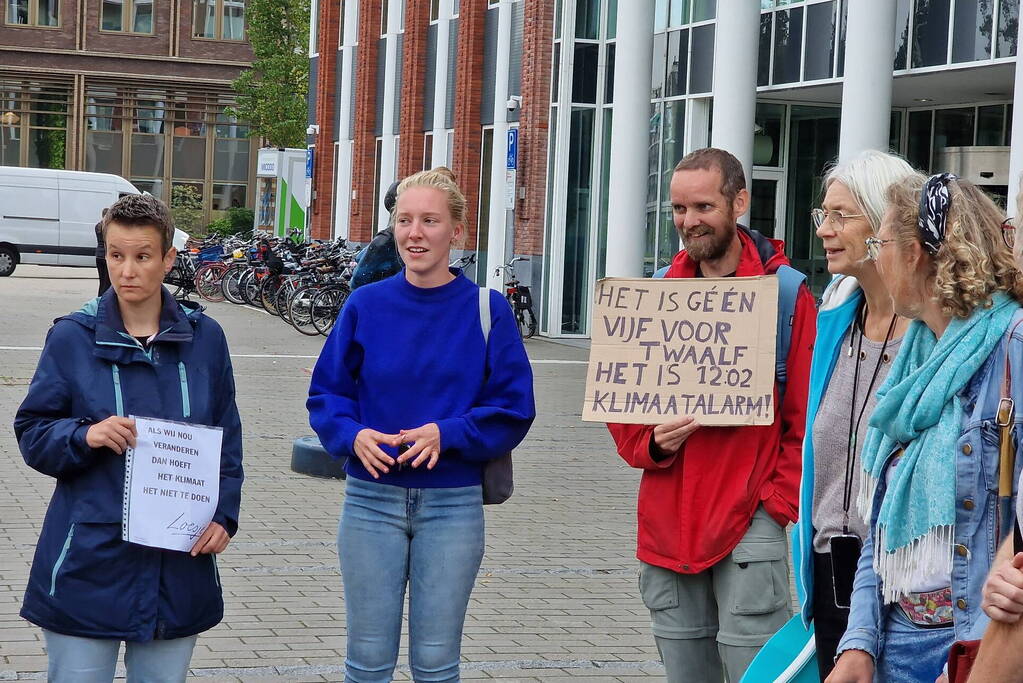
(520, 298)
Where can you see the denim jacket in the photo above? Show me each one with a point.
(976, 532)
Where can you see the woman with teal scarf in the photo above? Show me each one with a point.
(930, 458)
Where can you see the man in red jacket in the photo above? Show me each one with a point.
(714, 501)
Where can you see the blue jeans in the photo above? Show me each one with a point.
(909, 653)
(429, 539)
(92, 660)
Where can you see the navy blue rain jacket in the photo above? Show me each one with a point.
(85, 581)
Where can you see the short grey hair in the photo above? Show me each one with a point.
(868, 176)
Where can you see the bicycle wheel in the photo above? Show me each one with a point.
(268, 287)
(229, 284)
(283, 298)
(207, 281)
(300, 310)
(248, 287)
(326, 306)
(527, 322)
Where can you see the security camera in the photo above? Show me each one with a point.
(514, 102)
(313, 129)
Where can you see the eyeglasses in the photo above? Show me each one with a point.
(820, 217)
(1009, 232)
(874, 245)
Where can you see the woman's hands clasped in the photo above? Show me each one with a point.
(423, 447)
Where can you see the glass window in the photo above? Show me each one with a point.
(763, 205)
(577, 222)
(895, 132)
(952, 128)
(234, 20)
(142, 16)
(767, 129)
(902, 8)
(48, 14)
(230, 160)
(609, 75)
(204, 19)
(556, 81)
(990, 124)
(820, 41)
(584, 73)
(103, 151)
(657, 74)
(788, 40)
(228, 196)
(10, 145)
(660, 15)
(653, 172)
(918, 147)
(112, 19)
(34, 13)
(678, 13)
(147, 155)
(1008, 20)
(678, 55)
(930, 33)
(434, 10)
(218, 19)
(47, 147)
(557, 20)
(153, 186)
(704, 10)
(764, 53)
(612, 19)
(605, 193)
(673, 130)
(971, 31)
(843, 23)
(587, 19)
(701, 78)
(17, 11)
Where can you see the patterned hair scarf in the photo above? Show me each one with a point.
(918, 407)
(935, 201)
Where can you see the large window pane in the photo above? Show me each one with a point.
(612, 19)
(609, 75)
(657, 73)
(189, 157)
(820, 41)
(231, 160)
(142, 21)
(113, 13)
(1008, 21)
(918, 147)
(671, 150)
(660, 14)
(577, 222)
(843, 23)
(584, 73)
(153, 186)
(788, 39)
(679, 13)
(764, 53)
(704, 10)
(10, 146)
(605, 194)
(103, 151)
(48, 14)
(930, 33)
(234, 19)
(902, 11)
(204, 19)
(678, 54)
(767, 134)
(990, 121)
(147, 155)
(701, 78)
(971, 31)
(47, 148)
(587, 19)
(952, 128)
(228, 196)
(17, 11)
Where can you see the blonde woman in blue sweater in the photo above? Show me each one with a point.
(410, 391)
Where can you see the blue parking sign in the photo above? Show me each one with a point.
(513, 149)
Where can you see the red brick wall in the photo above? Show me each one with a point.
(417, 22)
(468, 84)
(324, 185)
(534, 125)
(364, 145)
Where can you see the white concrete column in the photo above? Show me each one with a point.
(736, 46)
(867, 84)
(388, 171)
(343, 191)
(440, 93)
(630, 133)
(500, 218)
(1016, 151)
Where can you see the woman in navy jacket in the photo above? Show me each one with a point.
(133, 351)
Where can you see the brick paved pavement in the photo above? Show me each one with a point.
(556, 599)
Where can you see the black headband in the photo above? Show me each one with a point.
(935, 201)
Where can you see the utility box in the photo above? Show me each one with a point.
(281, 203)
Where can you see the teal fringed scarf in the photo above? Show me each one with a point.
(918, 407)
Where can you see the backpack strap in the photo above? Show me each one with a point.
(485, 313)
(789, 282)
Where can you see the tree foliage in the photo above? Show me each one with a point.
(186, 208)
(272, 94)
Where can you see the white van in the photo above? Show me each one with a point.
(48, 216)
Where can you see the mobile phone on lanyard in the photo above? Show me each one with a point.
(845, 555)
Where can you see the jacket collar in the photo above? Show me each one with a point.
(759, 256)
(113, 340)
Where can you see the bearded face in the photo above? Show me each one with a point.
(703, 216)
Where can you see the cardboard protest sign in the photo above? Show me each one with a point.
(663, 349)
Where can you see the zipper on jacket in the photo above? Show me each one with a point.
(186, 408)
(116, 372)
(60, 560)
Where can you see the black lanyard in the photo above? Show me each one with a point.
(854, 425)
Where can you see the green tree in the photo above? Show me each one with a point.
(272, 94)
(186, 208)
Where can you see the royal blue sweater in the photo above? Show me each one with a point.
(401, 356)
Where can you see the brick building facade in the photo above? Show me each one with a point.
(132, 87)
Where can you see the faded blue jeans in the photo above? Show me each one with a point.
(92, 660)
(909, 653)
(428, 539)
